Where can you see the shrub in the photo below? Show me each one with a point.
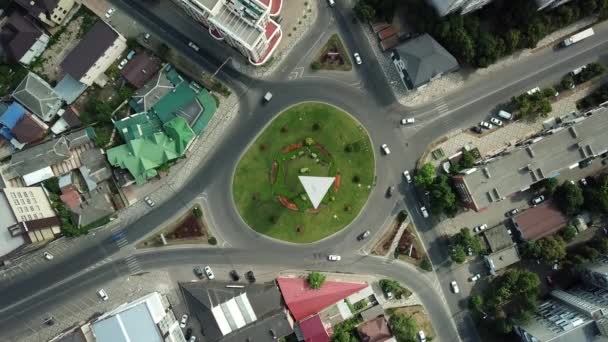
(348, 148)
(263, 147)
(316, 126)
(315, 65)
(568, 233)
(316, 280)
(212, 240)
(402, 216)
(425, 264)
(356, 179)
(197, 212)
(284, 129)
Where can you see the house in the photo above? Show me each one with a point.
(516, 168)
(95, 205)
(540, 221)
(503, 251)
(160, 85)
(49, 159)
(69, 89)
(312, 329)
(375, 330)
(9, 119)
(149, 318)
(234, 314)
(22, 39)
(141, 69)
(246, 25)
(68, 119)
(96, 52)
(38, 97)
(49, 12)
(421, 60)
(29, 129)
(95, 168)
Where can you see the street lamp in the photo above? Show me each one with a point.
(220, 67)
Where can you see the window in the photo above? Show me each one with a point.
(35, 216)
(31, 194)
(25, 209)
(38, 208)
(22, 201)
(20, 210)
(16, 202)
(28, 201)
(31, 208)
(19, 194)
(25, 194)
(13, 195)
(23, 218)
(29, 217)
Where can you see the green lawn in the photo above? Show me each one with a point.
(253, 191)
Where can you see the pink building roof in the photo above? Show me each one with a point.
(313, 330)
(303, 301)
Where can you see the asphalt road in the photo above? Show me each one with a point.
(374, 106)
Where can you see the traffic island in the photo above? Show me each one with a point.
(306, 176)
(332, 56)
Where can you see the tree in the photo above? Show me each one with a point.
(590, 253)
(425, 264)
(553, 248)
(443, 198)
(458, 254)
(404, 328)
(315, 65)
(315, 280)
(601, 245)
(364, 11)
(588, 7)
(309, 141)
(425, 176)
(476, 302)
(393, 286)
(163, 51)
(602, 195)
(467, 239)
(468, 159)
(550, 184)
(343, 332)
(512, 40)
(567, 82)
(52, 185)
(569, 198)
(568, 233)
(532, 250)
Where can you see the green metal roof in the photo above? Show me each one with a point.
(209, 108)
(138, 126)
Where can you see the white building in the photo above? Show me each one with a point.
(246, 25)
(149, 318)
(445, 7)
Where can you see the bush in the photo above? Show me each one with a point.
(316, 280)
(197, 212)
(390, 285)
(568, 233)
(212, 240)
(425, 264)
(356, 179)
(316, 65)
(348, 148)
(402, 216)
(316, 126)
(52, 185)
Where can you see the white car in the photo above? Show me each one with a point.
(533, 91)
(102, 294)
(454, 286)
(584, 181)
(48, 256)
(334, 258)
(486, 125)
(421, 336)
(357, 58)
(385, 149)
(150, 202)
(184, 321)
(480, 228)
(408, 121)
(192, 339)
(406, 175)
(476, 277)
(193, 46)
(496, 121)
(109, 12)
(538, 200)
(424, 212)
(209, 272)
(122, 64)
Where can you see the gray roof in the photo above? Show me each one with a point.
(265, 299)
(97, 205)
(520, 167)
(94, 44)
(37, 96)
(372, 313)
(498, 238)
(19, 34)
(160, 85)
(69, 89)
(424, 59)
(95, 167)
(135, 322)
(502, 258)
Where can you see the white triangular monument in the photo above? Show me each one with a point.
(316, 187)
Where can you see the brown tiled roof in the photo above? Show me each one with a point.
(376, 330)
(92, 46)
(19, 34)
(540, 221)
(28, 129)
(71, 117)
(141, 69)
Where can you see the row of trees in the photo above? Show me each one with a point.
(600, 95)
(68, 228)
(590, 71)
(532, 106)
(461, 242)
(441, 195)
(571, 198)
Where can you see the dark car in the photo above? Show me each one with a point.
(476, 129)
(390, 190)
(188, 333)
(199, 272)
(250, 276)
(585, 163)
(363, 235)
(235, 275)
(512, 212)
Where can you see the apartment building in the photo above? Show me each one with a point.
(245, 25)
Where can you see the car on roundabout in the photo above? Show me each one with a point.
(385, 149)
(363, 235)
(334, 257)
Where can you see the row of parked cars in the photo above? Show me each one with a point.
(494, 121)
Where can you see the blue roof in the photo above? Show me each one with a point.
(12, 115)
(69, 89)
(5, 132)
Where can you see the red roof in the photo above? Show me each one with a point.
(313, 330)
(303, 301)
(540, 221)
(387, 32)
(71, 198)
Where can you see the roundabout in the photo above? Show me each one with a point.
(306, 176)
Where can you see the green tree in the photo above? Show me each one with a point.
(466, 239)
(316, 280)
(364, 11)
(567, 82)
(590, 253)
(568, 233)
(443, 198)
(532, 250)
(315, 65)
(425, 176)
(468, 159)
(588, 7)
(601, 245)
(465, 46)
(52, 185)
(309, 141)
(553, 248)
(390, 285)
(458, 254)
(404, 328)
(475, 302)
(425, 264)
(569, 198)
(550, 184)
(512, 40)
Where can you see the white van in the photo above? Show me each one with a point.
(331, 3)
(505, 115)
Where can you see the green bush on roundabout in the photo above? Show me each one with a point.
(308, 139)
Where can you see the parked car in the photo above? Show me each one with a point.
(505, 115)
(122, 64)
(585, 163)
(407, 176)
(209, 272)
(421, 336)
(130, 54)
(386, 149)
(146, 36)
(103, 295)
(334, 257)
(584, 181)
(250, 276)
(533, 91)
(496, 121)
(358, 58)
(184, 321)
(234, 275)
(192, 339)
(454, 286)
(149, 200)
(193, 46)
(486, 125)
(267, 97)
(408, 121)
(109, 12)
(188, 333)
(538, 200)
(424, 212)
(199, 272)
(512, 212)
(48, 256)
(476, 277)
(363, 235)
(390, 190)
(331, 3)
(477, 129)
(480, 228)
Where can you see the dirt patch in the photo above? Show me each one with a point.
(409, 242)
(384, 244)
(189, 228)
(49, 63)
(333, 56)
(419, 315)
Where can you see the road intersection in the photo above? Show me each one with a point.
(368, 97)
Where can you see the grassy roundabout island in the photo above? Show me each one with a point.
(309, 139)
